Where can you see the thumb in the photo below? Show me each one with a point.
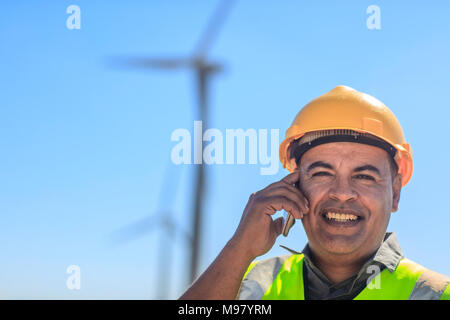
(278, 225)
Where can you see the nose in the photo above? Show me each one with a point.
(342, 190)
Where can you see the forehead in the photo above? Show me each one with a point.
(351, 152)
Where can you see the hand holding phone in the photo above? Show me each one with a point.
(257, 230)
(288, 219)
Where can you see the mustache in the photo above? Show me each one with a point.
(335, 207)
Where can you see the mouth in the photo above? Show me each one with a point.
(341, 217)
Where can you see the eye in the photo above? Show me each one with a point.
(365, 176)
(321, 173)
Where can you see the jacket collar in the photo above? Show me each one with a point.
(388, 254)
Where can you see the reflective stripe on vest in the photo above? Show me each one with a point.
(282, 278)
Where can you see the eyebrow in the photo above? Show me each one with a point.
(368, 167)
(329, 166)
(319, 164)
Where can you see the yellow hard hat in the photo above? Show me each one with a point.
(344, 110)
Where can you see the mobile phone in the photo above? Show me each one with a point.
(288, 222)
(288, 219)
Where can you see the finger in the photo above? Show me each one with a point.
(292, 178)
(277, 203)
(291, 193)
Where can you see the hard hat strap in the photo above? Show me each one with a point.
(301, 148)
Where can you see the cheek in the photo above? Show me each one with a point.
(378, 203)
(307, 190)
(376, 199)
(315, 194)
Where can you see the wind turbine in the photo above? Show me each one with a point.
(203, 69)
(161, 219)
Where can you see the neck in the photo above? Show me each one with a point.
(338, 268)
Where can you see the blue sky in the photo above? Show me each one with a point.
(85, 148)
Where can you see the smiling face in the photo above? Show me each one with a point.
(351, 195)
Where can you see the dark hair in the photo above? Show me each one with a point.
(394, 168)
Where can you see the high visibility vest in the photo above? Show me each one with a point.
(281, 278)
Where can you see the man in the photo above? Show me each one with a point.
(348, 160)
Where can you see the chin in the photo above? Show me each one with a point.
(341, 244)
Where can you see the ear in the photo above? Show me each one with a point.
(396, 189)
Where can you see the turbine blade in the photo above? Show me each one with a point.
(135, 230)
(212, 28)
(124, 62)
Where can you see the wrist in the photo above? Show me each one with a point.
(240, 250)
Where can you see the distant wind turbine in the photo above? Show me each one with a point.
(203, 69)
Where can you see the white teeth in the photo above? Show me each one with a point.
(341, 216)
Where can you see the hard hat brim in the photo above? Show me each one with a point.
(403, 154)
